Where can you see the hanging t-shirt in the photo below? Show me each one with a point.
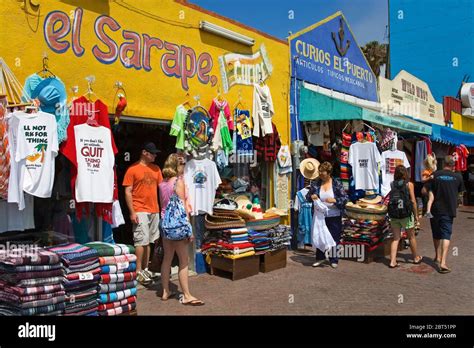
(15, 181)
(390, 160)
(177, 127)
(365, 159)
(36, 149)
(215, 110)
(262, 110)
(202, 179)
(95, 164)
(12, 219)
(462, 154)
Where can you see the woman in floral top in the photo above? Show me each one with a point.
(331, 192)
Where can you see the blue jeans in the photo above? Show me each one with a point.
(199, 228)
(334, 225)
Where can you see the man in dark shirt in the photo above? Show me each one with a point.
(446, 187)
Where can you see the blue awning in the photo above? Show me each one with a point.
(444, 134)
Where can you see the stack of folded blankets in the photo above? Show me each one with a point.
(280, 237)
(260, 241)
(81, 278)
(31, 283)
(367, 232)
(230, 243)
(118, 284)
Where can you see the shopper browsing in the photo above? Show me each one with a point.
(176, 230)
(427, 175)
(402, 213)
(446, 187)
(141, 193)
(331, 193)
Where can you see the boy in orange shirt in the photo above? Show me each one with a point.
(141, 193)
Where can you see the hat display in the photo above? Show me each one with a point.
(52, 96)
(375, 200)
(310, 168)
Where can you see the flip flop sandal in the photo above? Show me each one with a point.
(444, 270)
(194, 303)
(419, 260)
(171, 295)
(396, 266)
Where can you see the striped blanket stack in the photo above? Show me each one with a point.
(118, 284)
(31, 283)
(81, 278)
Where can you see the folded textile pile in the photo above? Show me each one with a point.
(118, 284)
(31, 282)
(260, 241)
(280, 237)
(368, 232)
(231, 243)
(81, 278)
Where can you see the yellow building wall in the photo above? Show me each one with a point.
(150, 94)
(462, 123)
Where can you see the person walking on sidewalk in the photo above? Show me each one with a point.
(446, 187)
(141, 193)
(331, 192)
(403, 214)
(174, 184)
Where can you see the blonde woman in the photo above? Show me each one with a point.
(174, 182)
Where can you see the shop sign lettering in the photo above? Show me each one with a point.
(135, 51)
(241, 69)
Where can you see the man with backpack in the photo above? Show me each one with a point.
(446, 186)
(402, 213)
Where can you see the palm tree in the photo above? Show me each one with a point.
(376, 55)
(42, 148)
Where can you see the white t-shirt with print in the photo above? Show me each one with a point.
(390, 160)
(95, 164)
(15, 181)
(202, 180)
(37, 147)
(365, 159)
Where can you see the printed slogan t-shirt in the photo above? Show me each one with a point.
(144, 180)
(95, 164)
(37, 147)
(390, 160)
(365, 159)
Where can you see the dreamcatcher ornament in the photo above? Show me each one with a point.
(198, 133)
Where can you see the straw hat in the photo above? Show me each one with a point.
(375, 200)
(310, 168)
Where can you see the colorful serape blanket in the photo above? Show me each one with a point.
(11, 297)
(28, 268)
(129, 267)
(74, 253)
(110, 305)
(117, 296)
(120, 310)
(113, 260)
(108, 249)
(14, 278)
(33, 256)
(112, 287)
(33, 290)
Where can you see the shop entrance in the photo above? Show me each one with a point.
(129, 137)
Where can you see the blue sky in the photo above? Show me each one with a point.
(367, 18)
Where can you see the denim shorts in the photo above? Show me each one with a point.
(442, 227)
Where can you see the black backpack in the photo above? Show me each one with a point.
(399, 206)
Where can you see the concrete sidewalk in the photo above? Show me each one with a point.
(352, 289)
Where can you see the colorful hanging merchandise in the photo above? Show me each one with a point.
(222, 122)
(305, 216)
(52, 96)
(364, 158)
(461, 153)
(262, 111)
(4, 154)
(198, 132)
(82, 109)
(178, 125)
(267, 147)
(243, 136)
(345, 168)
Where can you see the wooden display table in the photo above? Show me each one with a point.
(238, 268)
(273, 260)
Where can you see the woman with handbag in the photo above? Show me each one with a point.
(176, 229)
